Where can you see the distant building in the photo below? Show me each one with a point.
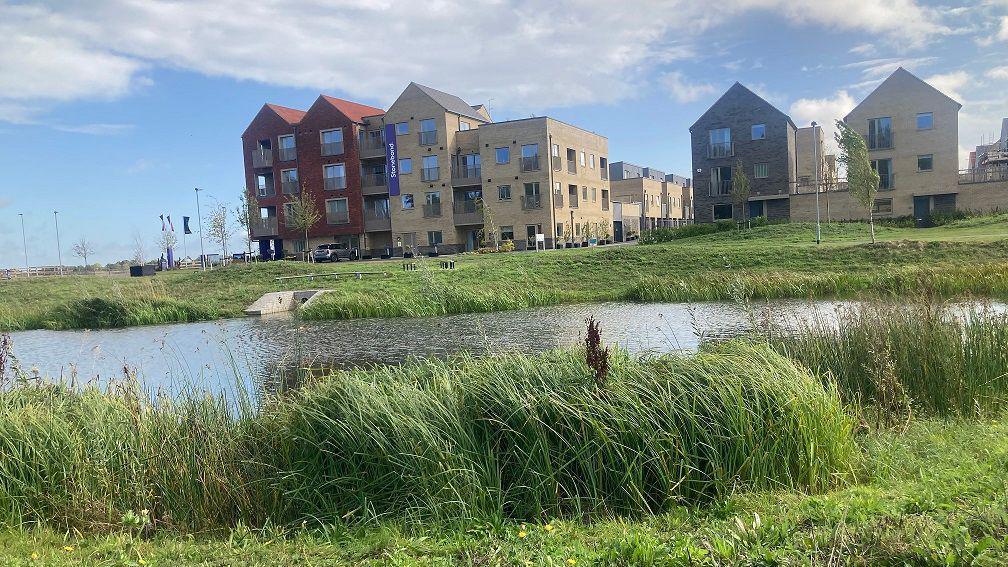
(623, 170)
(665, 199)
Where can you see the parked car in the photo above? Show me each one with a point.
(332, 253)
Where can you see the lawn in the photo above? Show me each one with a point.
(967, 256)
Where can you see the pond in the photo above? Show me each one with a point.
(218, 355)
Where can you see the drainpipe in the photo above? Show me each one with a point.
(552, 214)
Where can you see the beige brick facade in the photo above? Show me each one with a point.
(663, 203)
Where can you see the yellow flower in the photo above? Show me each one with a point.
(142, 562)
(548, 527)
(34, 556)
(571, 561)
(522, 534)
(67, 548)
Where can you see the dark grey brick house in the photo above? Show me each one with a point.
(742, 128)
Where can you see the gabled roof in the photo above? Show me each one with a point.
(898, 75)
(740, 89)
(289, 115)
(450, 102)
(352, 110)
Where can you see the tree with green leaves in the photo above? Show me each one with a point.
(248, 215)
(741, 189)
(304, 213)
(489, 223)
(862, 179)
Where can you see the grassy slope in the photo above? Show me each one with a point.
(937, 494)
(554, 277)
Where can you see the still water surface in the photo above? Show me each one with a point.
(217, 355)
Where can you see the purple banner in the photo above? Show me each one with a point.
(391, 160)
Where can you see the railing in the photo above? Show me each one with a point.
(335, 183)
(428, 138)
(373, 180)
(466, 175)
(605, 205)
(264, 227)
(809, 187)
(530, 202)
(887, 182)
(983, 175)
(556, 163)
(467, 212)
(377, 220)
(338, 217)
(558, 200)
(262, 158)
(720, 188)
(573, 200)
(605, 173)
(372, 146)
(530, 163)
(290, 187)
(430, 173)
(721, 150)
(267, 191)
(431, 210)
(881, 143)
(332, 148)
(288, 154)
(571, 166)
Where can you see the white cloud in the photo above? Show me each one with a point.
(1003, 34)
(824, 111)
(99, 129)
(998, 73)
(683, 90)
(862, 49)
(950, 83)
(872, 69)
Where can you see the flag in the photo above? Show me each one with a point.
(170, 225)
(162, 223)
(185, 225)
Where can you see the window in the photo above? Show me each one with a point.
(723, 211)
(531, 230)
(503, 155)
(408, 239)
(334, 176)
(925, 162)
(428, 131)
(584, 192)
(720, 143)
(530, 157)
(264, 185)
(882, 206)
(594, 195)
(288, 210)
(504, 192)
(430, 171)
(880, 133)
(506, 233)
(591, 161)
(434, 237)
(531, 198)
(332, 142)
(289, 180)
(757, 209)
(405, 166)
(463, 125)
(287, 150)
(759, 131)
(336, 211)
(925, 120)
(401, 128)
(407, 201)
(761, 170)
(559, 228)
(884, 169)
(581, 158)
(555, 150)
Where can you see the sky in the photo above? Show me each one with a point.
(113, 111)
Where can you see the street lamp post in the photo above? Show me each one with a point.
(200, 217)
(815, 164)
(59, 250)
(25, 241)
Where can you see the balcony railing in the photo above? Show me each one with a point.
(288, 154)
(467, 175)
(431, 210)
(332, 148)
(262, 158)
(377, 220)
(428, 138)
(556, 163)
(808, 187)
(887, 182)
(558, 201)
(605, 173)
(430, 173)
(335, 183)
(983, 175)
(267, 191)
(571, 166)
(530, 202)
(881, 142)
(720, 188)
(573, 200)
(530, 163)
(264, 227)
(721, 150)
(338, 217)
(290, 187)
(467, 212)
(373, 180)
(372, 146)
(605, 205)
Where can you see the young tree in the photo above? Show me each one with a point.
(82, 248)
(139, 249)
(221, 228)
(741, 189)
(862, 179)
(489, 223)
(168, 240)
(304, 213)
(248, 214)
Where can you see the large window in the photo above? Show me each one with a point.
(289, 181)
(531, 199)
(264, 185)
(332, 142)
(720, 143)
(434, 237)
(405, 166)
(884, 168)
(530, 157)
(925, 162)
(880, 133)
(581, 158)
(463, 125)
(925, 120)
(431, 171)
(506, 233)
(882, 206)
(335, 176)
(723, 211)
(428, 131)
(287, 149)
(337, 212)
(401, 128)
(432, 204)
(759, 131)
(503, 155)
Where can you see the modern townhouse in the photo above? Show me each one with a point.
(683, 186)
(741, 128)
(288, 151)
(664, 198)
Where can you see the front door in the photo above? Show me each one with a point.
(922, 211)
(617, 229)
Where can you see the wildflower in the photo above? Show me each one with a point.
(523, 534)
(548, 527)
(571, 561)
(34, 556)
(68, 548)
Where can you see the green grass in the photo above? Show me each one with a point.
(967, 256)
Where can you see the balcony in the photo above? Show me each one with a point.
(374, 184)
(377, 220)
(571, 166)
(262, 158)
(290, 187)
(261, 228)
(288, 154)
(432, 210)
(430, 174)
(428, 138)
(266, 191)
(332, 148)
(338, 217)
(721, 150)
(467, 213)
(531, 202)
(605, 205)
(990, 174)
(720, 188)
(605, 173)
(556, 163)
(530, 163)
(463, 176)
(558, 202)
(573, 197)
(372, 147)
(335, 183)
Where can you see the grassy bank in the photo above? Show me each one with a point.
(967, 256)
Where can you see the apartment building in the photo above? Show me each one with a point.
(664, 198)
(741, 128)
(288, 151)
(460, 175)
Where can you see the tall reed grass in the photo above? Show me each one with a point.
(470, 438)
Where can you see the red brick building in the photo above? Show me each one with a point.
(287, 150)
